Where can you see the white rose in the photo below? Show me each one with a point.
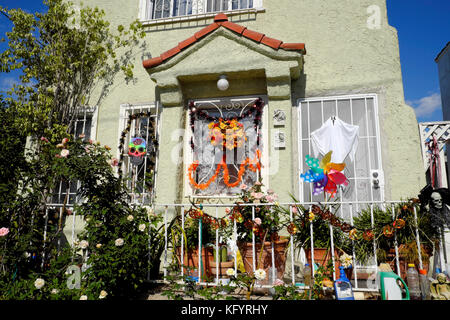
(260, 274)
(39, 283)
(119, 242)
(83, 297)
(103, 294)
(83, 244)
(230, 272)
(99, 245)
(64, 153)
(55, 291)
(142, 227)
(130, 218)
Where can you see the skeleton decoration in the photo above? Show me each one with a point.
(137, 150)
(436, 200)
(437, 203)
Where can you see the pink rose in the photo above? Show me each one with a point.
(44, 139)
(64, 153)
(114, 162)
(4, 232)
(58, 155)
(269, 198)
(81, 136)
(278, 282)
(65, 140)
(270, 191)
(258, 221)
(258, 195)
(243, 186)
(294, 209)
(227, 210)
(257, 183)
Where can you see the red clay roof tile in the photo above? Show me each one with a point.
(233, 27)
(253, 35)
(153, 62)
(170, 53)
(293, 46)
(185, 43)
(221, 19)
(274, 43)
(206, 30)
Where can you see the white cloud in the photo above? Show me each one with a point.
(425, 106)
(7, 83)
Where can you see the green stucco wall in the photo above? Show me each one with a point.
(344, 56)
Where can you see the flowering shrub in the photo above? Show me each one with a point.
(114, 244)
(265, 221)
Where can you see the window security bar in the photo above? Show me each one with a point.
(163, 9)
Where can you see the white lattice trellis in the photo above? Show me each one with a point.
(441, 130)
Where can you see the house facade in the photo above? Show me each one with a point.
(298, 63)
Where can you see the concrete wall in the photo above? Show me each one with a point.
(344, 56)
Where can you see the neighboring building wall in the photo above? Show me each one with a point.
(344, 56)
(443, 64)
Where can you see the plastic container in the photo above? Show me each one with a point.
(412, 278)
(424, 284)
(343, 287)
(390, 286)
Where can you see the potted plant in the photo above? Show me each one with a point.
(321, 219)
(194, 218)
(390, 224)
(263, 223)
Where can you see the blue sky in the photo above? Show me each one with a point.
(423, 28)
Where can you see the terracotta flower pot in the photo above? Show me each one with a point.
(322, 256)
(223, 267)
(191, 260)
(246, 250)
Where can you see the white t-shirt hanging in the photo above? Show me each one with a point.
(339, 137)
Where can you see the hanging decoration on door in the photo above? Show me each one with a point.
(227, 133)
(325, 176)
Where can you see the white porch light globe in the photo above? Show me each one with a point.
(222, 83)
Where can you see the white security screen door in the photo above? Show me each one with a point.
(360, 110)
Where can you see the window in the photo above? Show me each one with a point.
(360, 110)
(85, 124)
(138, 146)
(159, 9)
(225, 145)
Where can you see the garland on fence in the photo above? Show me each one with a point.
(354, 233)
(152, 152)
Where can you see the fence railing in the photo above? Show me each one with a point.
(170, 210)
(371, 284)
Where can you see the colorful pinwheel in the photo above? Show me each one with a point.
(325, 175)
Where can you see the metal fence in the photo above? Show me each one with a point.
(169, 210)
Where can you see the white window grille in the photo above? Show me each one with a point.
(199, 148)
(85, 124)
(163, 9)
(139, 121)
(365, 175)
